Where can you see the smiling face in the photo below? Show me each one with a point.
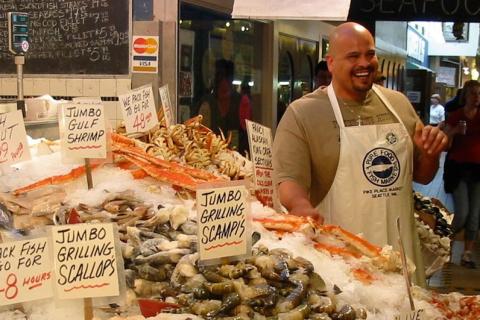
(352, 61)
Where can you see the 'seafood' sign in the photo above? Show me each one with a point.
(260, 140)
(13, 138)
(25, 271)
(138, 109)
(84, 130)
(167, 107)
(222, 214)
(85, 263)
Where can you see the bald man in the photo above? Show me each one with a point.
(348, 154)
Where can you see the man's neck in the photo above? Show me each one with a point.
(350, 96)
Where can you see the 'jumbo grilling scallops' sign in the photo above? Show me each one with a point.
(85, 261)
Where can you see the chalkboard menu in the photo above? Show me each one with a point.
(70, 36)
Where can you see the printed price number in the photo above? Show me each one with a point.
(3, 151)
(141, 120)
(11, 290)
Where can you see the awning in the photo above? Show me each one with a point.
(327, 10)
(413, 65)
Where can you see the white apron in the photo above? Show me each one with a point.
(373, 183)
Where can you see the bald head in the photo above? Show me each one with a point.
(347, 32)
(352, 60)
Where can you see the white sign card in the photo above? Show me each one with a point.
(412, 315)
(25, 271)
(84, 130)
(13, 138)
(168, 110)
(260, 141)
(414, 96)
(223, 228)
(138, 109)
(145, 54)
(85, 261)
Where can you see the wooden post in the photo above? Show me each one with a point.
(88, 172)
(88, 308)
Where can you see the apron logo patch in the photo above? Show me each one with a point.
(381, 167)
(391, 138)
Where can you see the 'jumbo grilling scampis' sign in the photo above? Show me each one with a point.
(222, 214)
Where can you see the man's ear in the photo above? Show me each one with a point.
(330, 62)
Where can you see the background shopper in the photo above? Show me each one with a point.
(437, 112)
(462, 169)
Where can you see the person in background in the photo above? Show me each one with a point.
(356, 131)
(322, 75)
(437, 112)
(221, 107)
(462, 174)
(380, 79)
(453, 104)
(245, 113)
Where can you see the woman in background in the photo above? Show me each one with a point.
(462, 175)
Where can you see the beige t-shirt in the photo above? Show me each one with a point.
(306, 147)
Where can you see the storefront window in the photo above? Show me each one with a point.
(219, 72)
(297, 60)
(285, 81)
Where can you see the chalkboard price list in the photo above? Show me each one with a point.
(71, 36)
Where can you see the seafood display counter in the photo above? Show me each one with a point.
(297, 269)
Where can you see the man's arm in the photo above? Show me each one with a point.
(294, 197)
(430, 142)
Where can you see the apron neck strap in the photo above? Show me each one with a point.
(385, 101)
(336, 108)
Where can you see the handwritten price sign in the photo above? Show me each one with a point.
(85, 261)
(84, 133)
(222, 216)
(138, 108)
(168, 111)
(13, 138)
(25, 271)
(260, 140)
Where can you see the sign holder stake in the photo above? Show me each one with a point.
(87, 302)
(88, 173)
(404, 266)
(20, 61)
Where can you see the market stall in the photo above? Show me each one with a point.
(155, 233)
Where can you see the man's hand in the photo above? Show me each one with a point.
(430, 141)
(294, 197)
(307, 211)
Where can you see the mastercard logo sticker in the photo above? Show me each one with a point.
(145, 45)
